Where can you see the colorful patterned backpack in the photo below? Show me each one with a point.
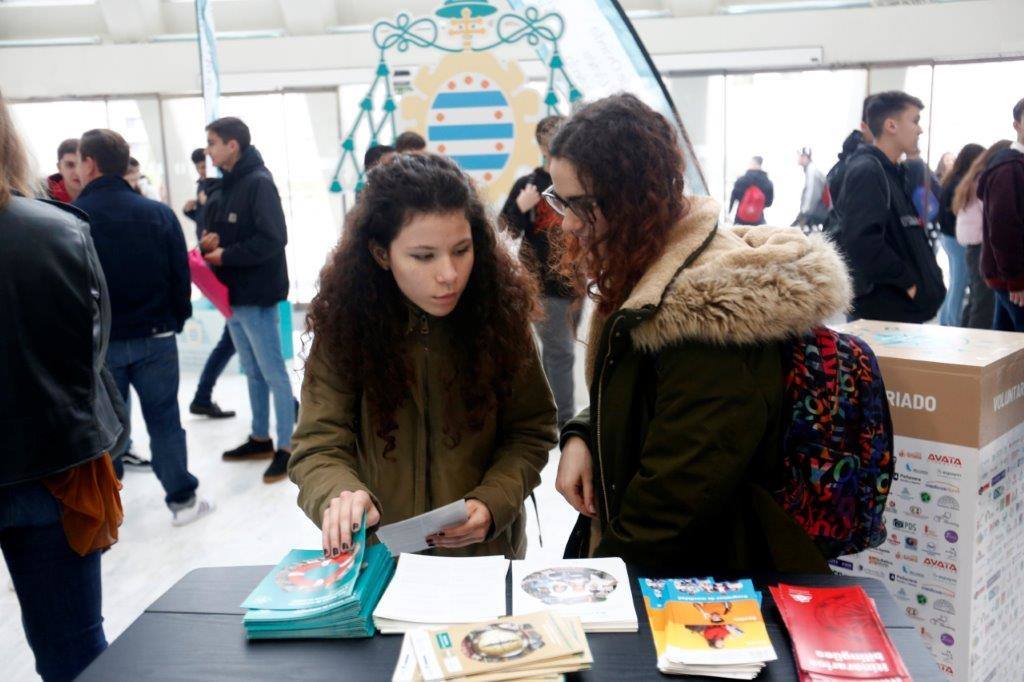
(837, 442)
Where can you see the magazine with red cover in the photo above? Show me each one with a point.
(837, 635)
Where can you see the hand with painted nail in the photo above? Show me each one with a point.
(476, 528)
(342, 519)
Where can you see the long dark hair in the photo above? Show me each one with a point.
(360, 319)
(627, 156)
(963, 162)
(968, 186)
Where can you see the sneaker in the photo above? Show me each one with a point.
(196, 511)
(211, 410)
(278, 469)
(250, 449)
(130, 459)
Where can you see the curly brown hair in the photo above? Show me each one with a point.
(627, 156)
(360, 319)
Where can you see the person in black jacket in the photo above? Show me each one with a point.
(245, 240)
(754, 177)
(142, 249)
(525, 215)
(195, 209)
(60, 416)
(837, 174)
(895, 275)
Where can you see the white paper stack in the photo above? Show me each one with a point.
(596, 590)
(430, 592)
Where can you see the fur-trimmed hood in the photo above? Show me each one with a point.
(750, 285)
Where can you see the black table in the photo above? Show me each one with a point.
(194, 632)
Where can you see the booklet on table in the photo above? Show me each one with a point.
(705, 627)
(308, 595)
(432, 590)
(837, 635)
(534, 646)
(596, 590)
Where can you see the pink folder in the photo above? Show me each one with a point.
(212, 288)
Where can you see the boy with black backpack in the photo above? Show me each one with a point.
(754, 192)
(895, 275)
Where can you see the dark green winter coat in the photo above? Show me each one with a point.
(685, 401)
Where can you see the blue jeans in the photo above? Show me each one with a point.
(557, 333)
(952, 309)
(1009, 317)
(254, 329)
(150, 365)
(219, 358)
(59, 591)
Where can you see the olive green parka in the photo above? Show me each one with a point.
(336, 447)
(686, 385)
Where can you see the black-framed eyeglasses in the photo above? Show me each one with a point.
(582, 206)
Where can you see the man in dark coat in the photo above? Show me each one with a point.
(895, 274)
(1001, 189)
(142, 250)
(245, 240)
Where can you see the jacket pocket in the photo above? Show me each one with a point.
(931, 291)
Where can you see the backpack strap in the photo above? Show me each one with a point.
(846, 179)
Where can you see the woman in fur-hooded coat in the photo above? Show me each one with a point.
(686, 383)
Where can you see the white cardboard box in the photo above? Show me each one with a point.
(954, 556)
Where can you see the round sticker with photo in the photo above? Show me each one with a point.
(570, 585)
(315, 574)
(501, 642)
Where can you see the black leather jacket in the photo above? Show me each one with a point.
(57, 409)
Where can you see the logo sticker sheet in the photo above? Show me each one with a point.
(954, 555)
(501, 642)
(570, 585)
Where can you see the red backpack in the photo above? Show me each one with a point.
(751, 208)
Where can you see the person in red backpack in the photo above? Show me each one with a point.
(754, 192)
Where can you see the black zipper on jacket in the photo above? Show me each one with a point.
(597, 418)
(425, 337)
(612, 333)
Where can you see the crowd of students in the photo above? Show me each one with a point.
(424, 384)
(885, 209)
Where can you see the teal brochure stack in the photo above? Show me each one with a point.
(308, 595)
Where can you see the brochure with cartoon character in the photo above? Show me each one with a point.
(654, 593)
(715, 623)
(350, 617)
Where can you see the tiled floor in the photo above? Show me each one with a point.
(254, 523)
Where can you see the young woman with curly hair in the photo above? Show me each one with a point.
(423, 384)
(672, 465)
